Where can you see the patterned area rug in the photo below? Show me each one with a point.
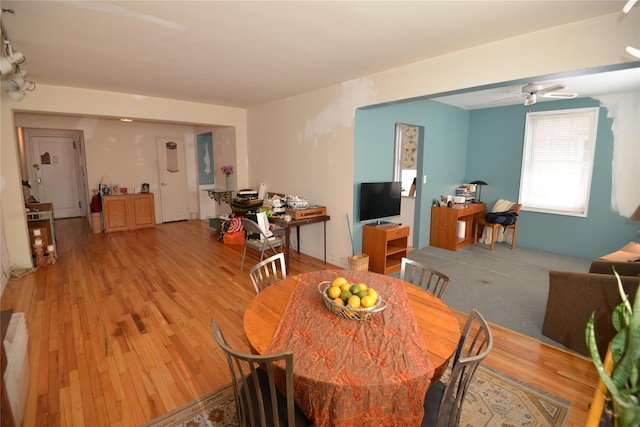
(493, 400)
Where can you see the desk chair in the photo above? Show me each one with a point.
(260, 245)
(425, 277)
(258, 400)
(443, 402)
(266, 272)
(483, 223)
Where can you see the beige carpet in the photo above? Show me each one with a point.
(493, 400)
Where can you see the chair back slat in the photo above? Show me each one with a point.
(425, 277)
(268, 272)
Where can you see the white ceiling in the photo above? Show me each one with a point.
(247, 53)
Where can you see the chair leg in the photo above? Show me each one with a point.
(243, 255)
(513, 239)
(493, 237)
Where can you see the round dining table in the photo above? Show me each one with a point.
(429, 316)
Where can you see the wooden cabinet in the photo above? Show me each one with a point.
(444, 225)
(386, 245)
(128, 212)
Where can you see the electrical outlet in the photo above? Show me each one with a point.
(194, 215)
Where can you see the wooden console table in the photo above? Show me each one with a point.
(297, 223)
(386, 245)
(444, 224)
(220, 195)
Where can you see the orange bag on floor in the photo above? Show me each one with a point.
(236, 238)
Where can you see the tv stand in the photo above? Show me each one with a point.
(386, 245)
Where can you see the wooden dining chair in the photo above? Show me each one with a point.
(268, 271)
(259, 402)
(483, 223)
(425, 277)
(261, 244)
(443, 402)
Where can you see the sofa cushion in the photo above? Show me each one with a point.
(572, 299)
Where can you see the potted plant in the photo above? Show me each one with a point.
(623, 383)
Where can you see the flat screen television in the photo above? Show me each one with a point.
(379, 200)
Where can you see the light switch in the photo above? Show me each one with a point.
(424, 179)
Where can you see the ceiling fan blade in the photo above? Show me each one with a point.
(553, 88)
(559, 95)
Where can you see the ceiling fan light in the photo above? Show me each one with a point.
(6, 67)
(13, 82)
(627, 7)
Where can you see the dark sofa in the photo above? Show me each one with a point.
(574, 296)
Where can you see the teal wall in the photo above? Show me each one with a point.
(495, 144)
(461, 146)
(442, 154)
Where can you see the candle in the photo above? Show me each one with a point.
(38, 242)
(50, 248)
(36, 232)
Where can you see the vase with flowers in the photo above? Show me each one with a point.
(227, 170)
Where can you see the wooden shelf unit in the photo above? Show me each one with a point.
(128, 212)
(386, 245)
(444, 224)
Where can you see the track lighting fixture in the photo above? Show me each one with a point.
(14, 76)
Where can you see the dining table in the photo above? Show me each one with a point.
(351, 372)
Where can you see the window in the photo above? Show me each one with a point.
(557, 161)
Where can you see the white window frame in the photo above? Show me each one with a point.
(556, 189)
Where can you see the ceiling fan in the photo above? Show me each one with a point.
(532, 91)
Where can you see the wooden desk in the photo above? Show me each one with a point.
(444, 224)
(297, 223)
(437, 323)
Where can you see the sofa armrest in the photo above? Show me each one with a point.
(623, 268)
(573, 297)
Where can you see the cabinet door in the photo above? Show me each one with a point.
(116, 213)
(142, 211)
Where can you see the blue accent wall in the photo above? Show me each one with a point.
(460, 146)
(442, 155)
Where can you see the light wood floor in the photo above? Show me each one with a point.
(119, 327)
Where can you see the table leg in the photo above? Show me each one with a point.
(325, 241)
(298, 237)
(287, 245)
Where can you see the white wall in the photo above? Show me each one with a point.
(304, 145)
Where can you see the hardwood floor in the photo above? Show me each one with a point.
(119, 327)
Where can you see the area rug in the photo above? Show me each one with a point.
(493, 400)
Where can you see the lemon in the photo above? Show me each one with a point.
(338, 301)
(372, 293)
(363, 287)
(339, 281)
(345, 295)
(355, 289)
(345, 287)
(367, 301)
(334, 292)
(354, 301)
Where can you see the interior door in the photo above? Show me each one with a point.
(54, 173)
(173, 179)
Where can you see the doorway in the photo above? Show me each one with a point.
(55, 162)
(173, 179)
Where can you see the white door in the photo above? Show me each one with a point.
(54, 173)
(173, 179)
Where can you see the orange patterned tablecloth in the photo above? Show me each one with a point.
(355, 373)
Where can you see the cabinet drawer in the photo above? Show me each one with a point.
(397, 232)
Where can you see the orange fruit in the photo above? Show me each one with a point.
(345, 287)
(354, 301)
(339, 281)
(334, 292)
(338, 301)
